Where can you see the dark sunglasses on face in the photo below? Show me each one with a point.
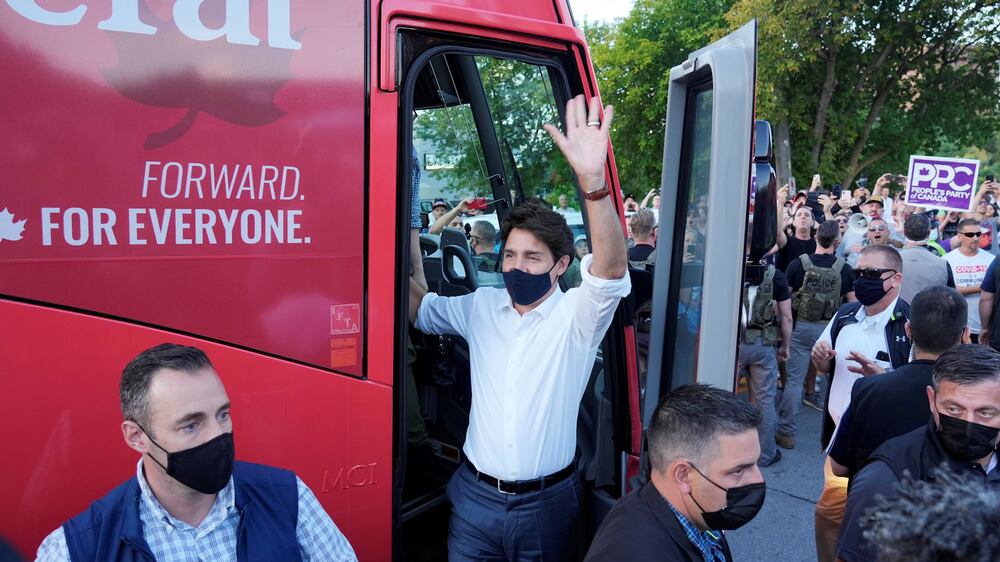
(841, 221)
(877, 229)
(871, 273)
(972, 234)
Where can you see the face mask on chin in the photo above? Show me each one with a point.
(742, 505)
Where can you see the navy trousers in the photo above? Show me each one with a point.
(487, 524)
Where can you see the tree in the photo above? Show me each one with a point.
(863, 86)
(632, 59)
(520, 100)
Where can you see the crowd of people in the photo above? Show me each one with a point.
(893, 306)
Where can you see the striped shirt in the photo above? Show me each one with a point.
(214, 539)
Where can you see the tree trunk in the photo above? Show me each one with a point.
(854, 164)
(826, 95)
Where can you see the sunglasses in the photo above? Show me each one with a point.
(842, 221)
(971, 234)
(877, 229)
(871, 273)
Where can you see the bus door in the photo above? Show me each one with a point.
(708, 155)
(471, 110)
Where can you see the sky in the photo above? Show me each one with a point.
(600, 10)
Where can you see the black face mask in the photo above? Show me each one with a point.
(966, 441)
(526, 288)
(742, 505)
(869, 291)
(206, 468)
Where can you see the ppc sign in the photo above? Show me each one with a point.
(943, 183)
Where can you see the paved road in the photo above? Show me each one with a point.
(783, 530)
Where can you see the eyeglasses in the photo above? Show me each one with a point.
(871, 273)
(877, 229)
(842, 221)
(971, 234)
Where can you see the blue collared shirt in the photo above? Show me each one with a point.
(214, 539)
(709, 543)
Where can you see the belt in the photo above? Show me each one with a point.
(522, 486)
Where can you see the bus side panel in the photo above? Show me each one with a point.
(64, 446)
(156, 171)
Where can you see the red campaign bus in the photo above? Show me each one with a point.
(241, 181)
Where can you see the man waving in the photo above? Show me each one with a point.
(532, 349)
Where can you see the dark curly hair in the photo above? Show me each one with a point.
(547, 225)
(952, 518)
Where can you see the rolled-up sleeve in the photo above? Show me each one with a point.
(444, 315)
(596, 302)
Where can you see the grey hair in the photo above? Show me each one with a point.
(967, 364)
(951, 518)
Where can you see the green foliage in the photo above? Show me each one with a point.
(865, 85)
(520, 101)
(632, 60)
(861, 85)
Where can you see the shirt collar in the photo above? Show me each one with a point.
(707, 542)
(225, 500)
(882, 318)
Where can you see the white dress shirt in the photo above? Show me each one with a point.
(866, 336)
(528, 372)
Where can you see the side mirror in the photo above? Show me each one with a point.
(764, 233)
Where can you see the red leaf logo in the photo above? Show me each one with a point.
(235, 83)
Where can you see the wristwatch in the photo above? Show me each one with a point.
(597, 195)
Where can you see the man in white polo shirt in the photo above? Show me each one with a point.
(532, 348)
(873, 327)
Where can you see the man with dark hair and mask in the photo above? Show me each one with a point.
(190, 498)
(874, 327)
(532, 349)
(703, 450)
(961, 434)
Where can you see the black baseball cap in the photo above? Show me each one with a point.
(440, 203)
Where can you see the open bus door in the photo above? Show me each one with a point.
(470, 102)
(705, 189)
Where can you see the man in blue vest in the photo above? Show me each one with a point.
(190, 499)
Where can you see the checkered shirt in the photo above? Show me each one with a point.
(214, 539)
(705, 541)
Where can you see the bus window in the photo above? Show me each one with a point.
(694, 197)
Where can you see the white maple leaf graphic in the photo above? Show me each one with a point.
(10, 230)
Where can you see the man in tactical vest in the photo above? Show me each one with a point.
(758, 358)
(819, 283)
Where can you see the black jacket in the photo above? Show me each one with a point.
(895, 337)
(641, 526)
(920, 455)
(882, 407)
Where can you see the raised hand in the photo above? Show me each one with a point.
(585, 144)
